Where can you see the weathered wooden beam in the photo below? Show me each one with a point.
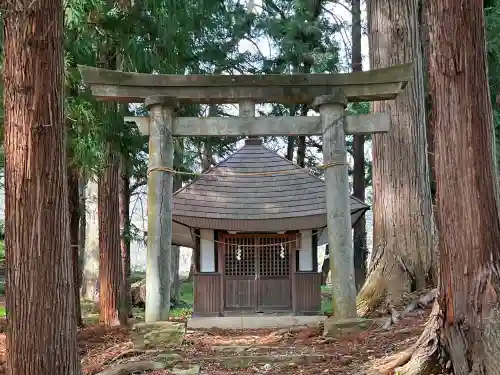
(265, 126)
(338, 212)
(381, 84)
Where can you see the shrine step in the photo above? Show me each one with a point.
(254, 322)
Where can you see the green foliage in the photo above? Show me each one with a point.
(492, 13)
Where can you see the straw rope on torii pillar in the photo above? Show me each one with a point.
(328, 93)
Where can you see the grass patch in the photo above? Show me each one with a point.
(185, 308)
(326, 302)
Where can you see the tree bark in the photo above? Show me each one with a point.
(74, 232)
(124, 198)
(467, 207)
(83, 228)
(403, 217)
(40, 292)
(111, 291)
(359, 237)
(466, 199)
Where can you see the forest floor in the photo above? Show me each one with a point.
(272, 352)
(293, 351)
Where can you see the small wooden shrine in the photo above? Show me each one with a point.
(255, 236)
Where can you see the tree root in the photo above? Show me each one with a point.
(130, 353)
(131, 367)
(423, 303)
(421, 358)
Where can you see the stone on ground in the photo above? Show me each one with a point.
(158, 335)
(334, 327)
(186, 369)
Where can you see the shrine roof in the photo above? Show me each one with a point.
(281, 197)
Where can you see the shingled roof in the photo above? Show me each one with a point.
(219, 199)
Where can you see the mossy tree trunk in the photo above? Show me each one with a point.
(402, 209)
(42, 337)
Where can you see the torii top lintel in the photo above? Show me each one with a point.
(379, 84)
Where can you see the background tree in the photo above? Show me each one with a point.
(358, 153)
(403, 218)
(39, 272)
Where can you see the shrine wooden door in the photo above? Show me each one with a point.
(274, 283)
(257, 272)
(240, 273)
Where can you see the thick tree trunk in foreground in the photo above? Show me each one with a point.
(111, 291)
(358, 150)
(74, 234)
(125, 235)
(402, 232)
(468, 221)
(40, 294)
(469, 233)
(90, 280)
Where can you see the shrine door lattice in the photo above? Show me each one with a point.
(257, 272)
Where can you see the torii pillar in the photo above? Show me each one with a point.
(160, 184)
(331, 109)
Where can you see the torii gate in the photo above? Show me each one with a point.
(328, 93)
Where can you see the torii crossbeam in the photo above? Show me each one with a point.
(328, 93)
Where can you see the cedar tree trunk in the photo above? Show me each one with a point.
(40, 292)
(358, 150)
(125, 235)
(74, 231)
(466, 323)
(402, 209)
(111, 291)
(83, 228)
